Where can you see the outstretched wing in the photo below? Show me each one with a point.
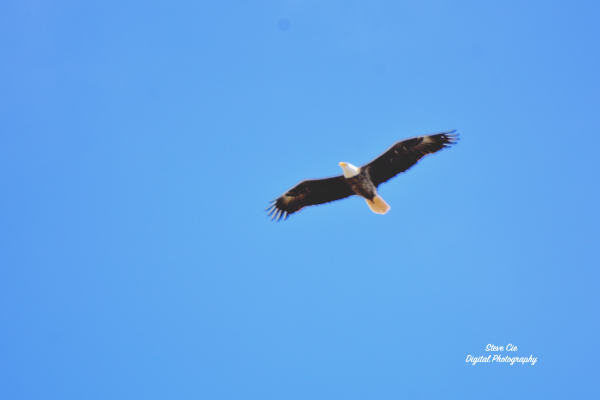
(406, 153)
(309, 193)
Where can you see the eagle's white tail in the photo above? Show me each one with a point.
(378, 205)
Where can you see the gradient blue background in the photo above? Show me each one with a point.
(141, 141)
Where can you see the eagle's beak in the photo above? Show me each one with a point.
(342, 164)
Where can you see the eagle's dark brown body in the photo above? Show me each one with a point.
(362, 185)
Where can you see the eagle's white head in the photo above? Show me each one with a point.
(349, 169)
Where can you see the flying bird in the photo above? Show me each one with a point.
(362, 181)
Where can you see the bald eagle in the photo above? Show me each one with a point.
(362, 181)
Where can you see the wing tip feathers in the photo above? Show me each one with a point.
(277, 213)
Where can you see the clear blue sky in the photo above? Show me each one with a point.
(141, 142)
